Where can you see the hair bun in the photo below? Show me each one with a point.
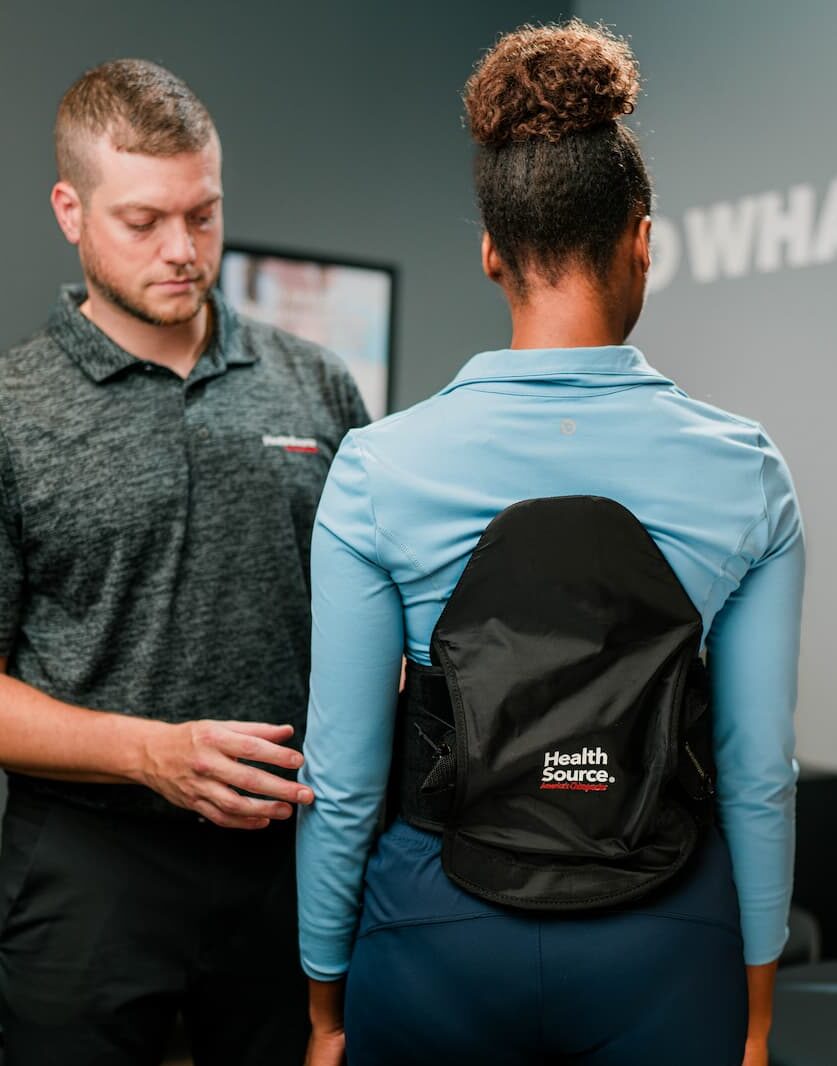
(546, 81)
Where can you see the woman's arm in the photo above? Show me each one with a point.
(357, 642)
(760, 982)
(753, 653)
(327, 1046)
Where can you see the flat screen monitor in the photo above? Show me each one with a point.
(345, 306)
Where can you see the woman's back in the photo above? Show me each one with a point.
(708, 486)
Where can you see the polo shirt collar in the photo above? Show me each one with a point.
(609, 365)
(102, 358)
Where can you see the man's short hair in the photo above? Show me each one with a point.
(141, 106)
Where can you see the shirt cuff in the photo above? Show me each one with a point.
(324, 957)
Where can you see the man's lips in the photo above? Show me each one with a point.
(176, 283)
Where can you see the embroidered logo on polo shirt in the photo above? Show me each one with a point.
(292, 444)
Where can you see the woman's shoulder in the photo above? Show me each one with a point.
(708, 417)
(738, 452)
(717, 434)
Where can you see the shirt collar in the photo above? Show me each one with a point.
(612, 365)
(102, 358)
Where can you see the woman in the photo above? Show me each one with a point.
(437, 974)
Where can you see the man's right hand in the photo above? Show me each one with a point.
(196, 765)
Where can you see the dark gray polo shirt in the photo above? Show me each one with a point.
(155, 532)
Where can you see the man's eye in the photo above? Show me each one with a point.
(204, 220)
(140, 227)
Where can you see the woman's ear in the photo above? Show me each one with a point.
(492, 265)
(642, 243)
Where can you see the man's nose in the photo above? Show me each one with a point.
(178, 247)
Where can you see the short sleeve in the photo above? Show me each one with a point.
(355, 415)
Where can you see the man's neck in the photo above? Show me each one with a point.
(176, 347)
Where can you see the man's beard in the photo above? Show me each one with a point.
(119, 298)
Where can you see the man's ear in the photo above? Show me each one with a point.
(66, 203)
(642, 243)
(492, 264)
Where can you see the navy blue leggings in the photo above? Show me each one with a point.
(440, 978)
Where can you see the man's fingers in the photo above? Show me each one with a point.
(218, 817)
(231, 806)
(218, 749)
(262, 729)
(242, 746)
(251, 779)
(255, 741)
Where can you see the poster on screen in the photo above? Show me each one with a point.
(346, 306)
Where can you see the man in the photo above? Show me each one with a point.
(154, 619)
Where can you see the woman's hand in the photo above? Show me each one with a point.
(760, 982)
(755, 1052)
(328, 1048)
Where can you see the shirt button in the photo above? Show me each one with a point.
(148, 368)
(203, 433)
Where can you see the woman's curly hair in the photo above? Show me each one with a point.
(558, 175)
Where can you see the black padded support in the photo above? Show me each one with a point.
(560, 739)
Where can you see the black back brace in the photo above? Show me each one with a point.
(560, 741)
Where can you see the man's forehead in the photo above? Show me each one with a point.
(126, 178)
(107, 151)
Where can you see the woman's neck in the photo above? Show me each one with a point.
(575, 313)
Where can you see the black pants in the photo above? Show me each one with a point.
(111, 923)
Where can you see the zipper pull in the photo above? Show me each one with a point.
(706, 780)
(439, 752)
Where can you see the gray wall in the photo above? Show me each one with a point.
(341, 130)
(738, 111)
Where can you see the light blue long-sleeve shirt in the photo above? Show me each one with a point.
(405, 503)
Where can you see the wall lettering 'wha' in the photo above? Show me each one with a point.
(756, 234)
